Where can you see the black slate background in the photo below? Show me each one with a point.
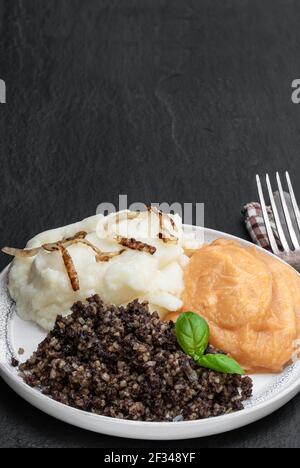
(181, 100)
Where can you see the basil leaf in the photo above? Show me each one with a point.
(192, 333)
(220, 363)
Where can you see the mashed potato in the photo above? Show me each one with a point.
(41, 287)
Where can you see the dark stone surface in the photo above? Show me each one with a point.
(163, 100)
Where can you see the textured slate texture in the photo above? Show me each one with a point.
(163, 100)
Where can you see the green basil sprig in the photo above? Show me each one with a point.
(220, 363)
(192, 333)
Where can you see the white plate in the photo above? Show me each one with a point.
(270, 391)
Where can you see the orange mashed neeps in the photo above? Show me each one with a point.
(250, 300)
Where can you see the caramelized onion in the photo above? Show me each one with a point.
(164, 234)
(106, 256)
(126, 215)
(136, 245)
(79, 235)
(70, 268)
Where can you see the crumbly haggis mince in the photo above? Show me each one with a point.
(126, 363)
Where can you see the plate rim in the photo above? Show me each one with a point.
(234, 420)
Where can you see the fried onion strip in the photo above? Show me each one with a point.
(78, 235)
(168, 240)
(133, 244)
(100, 256)
(163, 230)
(106, 256)
(118, 217)
(70, 268)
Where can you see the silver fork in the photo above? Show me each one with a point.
(290, 251)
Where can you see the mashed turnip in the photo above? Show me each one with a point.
(41, 287)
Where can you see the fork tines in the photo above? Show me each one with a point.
(287, 215)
